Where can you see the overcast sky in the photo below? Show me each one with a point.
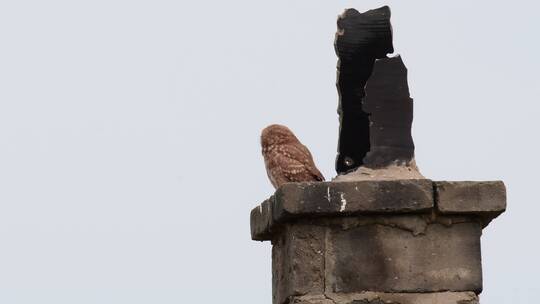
(129, 135)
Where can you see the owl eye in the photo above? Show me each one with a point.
(349, 162)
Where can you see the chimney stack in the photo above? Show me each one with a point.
(379, 233)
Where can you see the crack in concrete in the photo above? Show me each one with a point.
(329, 298)
(369, 297)
(468, 301)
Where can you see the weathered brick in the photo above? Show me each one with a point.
(392, 298)
(470, 197)
(298, 262)
(261, 221)
(302, 199)
(387, 257)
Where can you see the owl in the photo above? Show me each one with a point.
(286, 159)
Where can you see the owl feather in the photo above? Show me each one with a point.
(286, 159)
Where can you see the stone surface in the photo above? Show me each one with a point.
(485, 200)
(377, 241)
(470, 197)
(390, 110)
(321, 299)
(302, 199)
(344, 198)
(261, 221)
(399, 254)
(441, 258)
(360, 39)
(298, 262)
(395, 298)
(391, 172)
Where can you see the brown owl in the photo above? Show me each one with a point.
(286, 159)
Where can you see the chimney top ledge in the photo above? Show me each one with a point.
(485, 200)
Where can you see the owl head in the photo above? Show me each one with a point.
(276, 135)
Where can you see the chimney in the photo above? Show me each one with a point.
(380, 232)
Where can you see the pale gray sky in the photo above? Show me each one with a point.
(129, 131)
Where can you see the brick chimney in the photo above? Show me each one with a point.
(375, 242)
(379, 233)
